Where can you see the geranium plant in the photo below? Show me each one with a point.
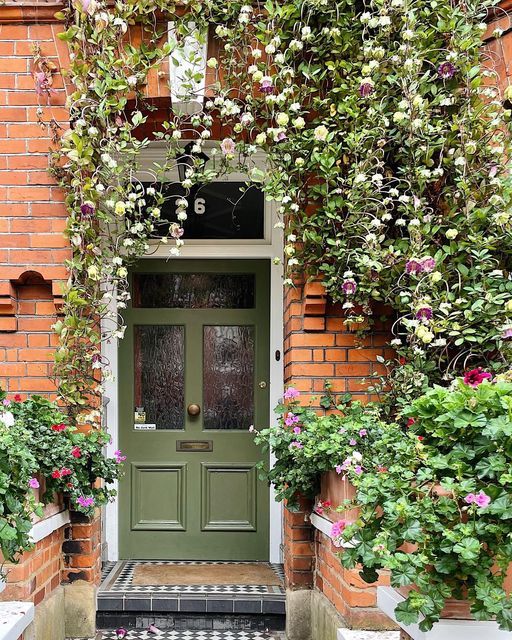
(446, 492)
(307, 444)
(17, 502)
(71, 461)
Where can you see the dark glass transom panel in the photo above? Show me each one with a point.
(216, 211)
(228, 377)
(193, 290)
(160, 374)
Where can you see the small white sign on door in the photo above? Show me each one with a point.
(144, 427)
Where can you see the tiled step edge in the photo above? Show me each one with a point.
(14, 619)
(388, 598)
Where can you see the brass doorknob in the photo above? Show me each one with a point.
(193, 409)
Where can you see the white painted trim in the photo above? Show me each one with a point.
(46, 527)
(3, 584)
(268, 248)
(15, 618)
(388, 598)
(358, 634)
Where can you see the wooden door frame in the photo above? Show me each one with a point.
(200, 251)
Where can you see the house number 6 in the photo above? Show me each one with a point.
(199, 206)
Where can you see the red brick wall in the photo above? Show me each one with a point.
(38, 572)
(319, 346)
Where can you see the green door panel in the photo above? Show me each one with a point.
(191, 488)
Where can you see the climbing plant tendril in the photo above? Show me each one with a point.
(385, 134)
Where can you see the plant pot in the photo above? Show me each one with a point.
(336, 489)
(48, 509)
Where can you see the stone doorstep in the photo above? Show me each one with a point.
(14, 619)
(388, 598)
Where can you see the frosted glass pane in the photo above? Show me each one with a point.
(194, 290)
(228, 377)
(159, 374)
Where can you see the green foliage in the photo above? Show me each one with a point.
(80, 452)
(445, 493)
(36, 442)
(17, 504)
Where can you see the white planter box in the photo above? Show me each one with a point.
(14, 619)
(388, 598)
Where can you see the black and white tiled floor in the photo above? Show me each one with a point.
(196, 635)
(119, 577)
(118, 594)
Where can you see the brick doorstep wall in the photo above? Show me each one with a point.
(319, 346)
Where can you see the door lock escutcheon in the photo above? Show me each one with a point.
(263, 384)
(193, 409)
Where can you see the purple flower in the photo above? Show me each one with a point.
(121, 633)
(297, 445)
(363, 433)
(87, 208)
(291, 393)
(33, 483)
(281, 136)
(6, 402)
(119, 456)
(424, 313)
(352, 442)
(338, 468)
(297, 430)
(446, 70)
(413, 266)
(266, 85)
(349, 287)
(428, 264)
(507, 333)
(86, 502)
(366, 89)
(482, 500)
(358, 469)
(291, 419)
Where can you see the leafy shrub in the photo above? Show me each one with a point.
(446, 491)
(36, 441)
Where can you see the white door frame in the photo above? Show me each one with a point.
(268, 248)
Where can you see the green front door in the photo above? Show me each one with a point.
(193, 378)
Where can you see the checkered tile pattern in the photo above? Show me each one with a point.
(120, 580)
(194, 635)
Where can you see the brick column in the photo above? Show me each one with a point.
(82, 549)
(298, 546)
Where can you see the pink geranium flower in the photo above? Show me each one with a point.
(481, 499)
(85, 502)
(33, 483)
(476, 376)
(291, 393)
(338, 528)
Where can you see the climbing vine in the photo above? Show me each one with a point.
(384, 131)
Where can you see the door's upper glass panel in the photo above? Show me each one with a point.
(216, 211)
(160, 374)
(193, 290)
(228, 377)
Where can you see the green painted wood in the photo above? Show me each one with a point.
(206, 505)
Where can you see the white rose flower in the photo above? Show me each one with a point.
(321, 132)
